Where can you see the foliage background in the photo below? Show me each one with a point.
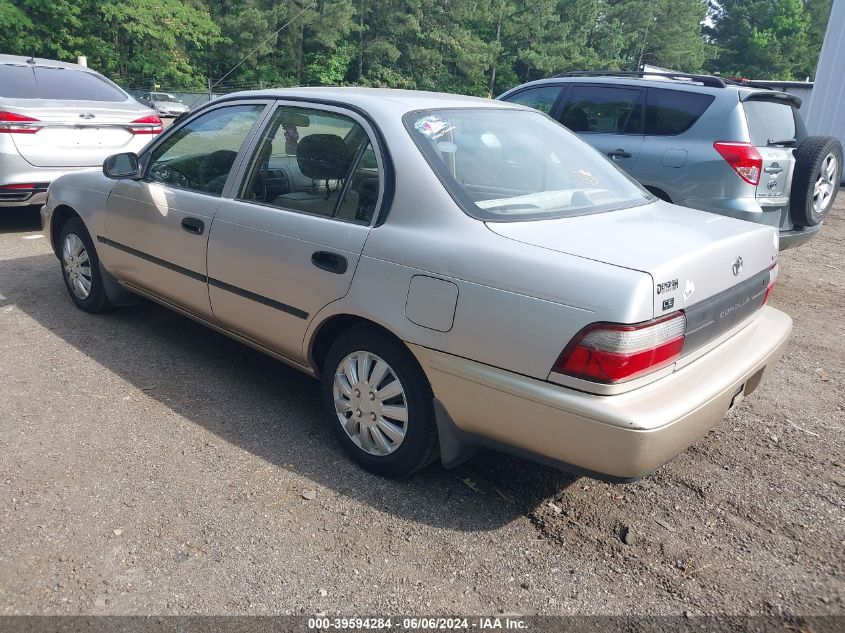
(470, 46)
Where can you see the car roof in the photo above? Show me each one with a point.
(389, 98)
(649, 81)
(22, 60)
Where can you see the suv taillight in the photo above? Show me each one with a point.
(12, 123)
(146, 125)
(743, 157)
(614, 352)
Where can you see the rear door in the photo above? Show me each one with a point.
(84, 116)
(775, 129)
(609, 118)
(277, 252)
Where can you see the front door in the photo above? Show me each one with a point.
(609, 118)
(156, 229)
(288, 242)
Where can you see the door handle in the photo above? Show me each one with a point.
(193, 226)
(331, 262)
(773, 170)
(619, 153)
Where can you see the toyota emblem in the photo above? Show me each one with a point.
(737, 266)
(86, 115)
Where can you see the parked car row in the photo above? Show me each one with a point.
(458, 272)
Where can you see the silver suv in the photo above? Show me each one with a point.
(56, 118)
(702, 142)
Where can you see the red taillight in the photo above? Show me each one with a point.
(612, 353)
(28, 185)
(12, 123)
(146, 125)
(743, 157)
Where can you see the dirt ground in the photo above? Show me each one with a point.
(151, 466)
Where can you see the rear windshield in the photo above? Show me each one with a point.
(770, 122)
(506, 165)
(65, 84)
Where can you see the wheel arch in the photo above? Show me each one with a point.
(61, 214)
(331, 328)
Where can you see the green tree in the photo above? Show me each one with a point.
(765, 39)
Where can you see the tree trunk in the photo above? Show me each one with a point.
(361, 9)
(494, 64)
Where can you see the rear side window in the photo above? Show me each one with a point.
(66, 84)
(541, 98)
(602, 110)
(670, 112)
(769, 122)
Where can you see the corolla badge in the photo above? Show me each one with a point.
(737, 266)
(87, 115)
(689, 289)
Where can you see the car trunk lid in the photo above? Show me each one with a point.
(692, 256)
(73, 133)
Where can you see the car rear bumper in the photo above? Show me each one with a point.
(14, 170)
(620, 437)
(796, 237)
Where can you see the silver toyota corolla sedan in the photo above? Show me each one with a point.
(57, 117)
(457, 272)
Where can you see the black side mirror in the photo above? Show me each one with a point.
(122, 166)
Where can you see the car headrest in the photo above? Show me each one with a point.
(323, 157)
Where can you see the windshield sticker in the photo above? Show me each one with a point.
(433, 127)
(586, 177)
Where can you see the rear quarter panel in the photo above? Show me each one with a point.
(518, 305)
(704, 173)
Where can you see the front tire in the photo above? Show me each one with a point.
(379, 403)
(81, 268)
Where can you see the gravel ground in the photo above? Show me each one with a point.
(151, 466)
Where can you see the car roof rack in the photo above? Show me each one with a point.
(705, 80)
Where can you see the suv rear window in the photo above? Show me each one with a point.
(66, 84)
(669, 112)
(769, 121)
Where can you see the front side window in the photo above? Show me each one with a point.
(602, 110)
(316, 162)
(541, 98)
(200, 154)
(670, 112)
(505, 165)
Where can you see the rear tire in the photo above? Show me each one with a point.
(815, 180)
(81, 268)
(370, 427)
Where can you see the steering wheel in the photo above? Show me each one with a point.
(214, 169)
(168, 175)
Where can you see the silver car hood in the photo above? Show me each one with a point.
(691, 255)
